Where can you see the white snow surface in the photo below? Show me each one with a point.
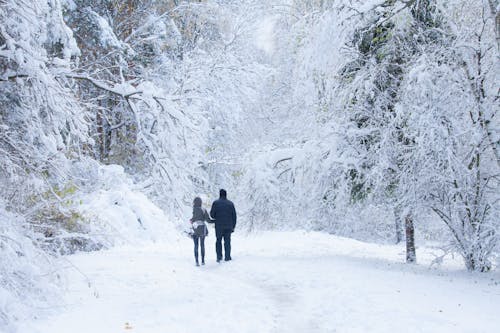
(277, 282)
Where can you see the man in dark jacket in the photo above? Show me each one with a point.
(224, 214)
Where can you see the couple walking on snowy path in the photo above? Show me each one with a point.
(223, 214)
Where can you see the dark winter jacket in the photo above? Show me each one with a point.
(224, 213)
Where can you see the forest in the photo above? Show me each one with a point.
(374, 120)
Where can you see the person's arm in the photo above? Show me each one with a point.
(207, 217)
(212, 213)
(234, 217)
(192, 218)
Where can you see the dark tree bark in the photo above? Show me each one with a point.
(411, 256)
(100, 133)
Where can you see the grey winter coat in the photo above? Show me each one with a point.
(200, 215)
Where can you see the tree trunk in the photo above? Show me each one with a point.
(477, 262)
(100, 133)
(496, 16)
(411, 256)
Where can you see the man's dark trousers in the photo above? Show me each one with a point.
(220, 234)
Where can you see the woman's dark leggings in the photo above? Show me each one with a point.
(202, 245)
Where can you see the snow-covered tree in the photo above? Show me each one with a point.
(448, 106)
(43, 127)
(344, 99)
(42, 124)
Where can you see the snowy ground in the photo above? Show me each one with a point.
(277, 282)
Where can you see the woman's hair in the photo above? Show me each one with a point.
(197, 202)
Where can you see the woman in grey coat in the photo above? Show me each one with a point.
(200, 230)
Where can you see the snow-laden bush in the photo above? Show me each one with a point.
(29, 280)
(101, 208)
(116, 212)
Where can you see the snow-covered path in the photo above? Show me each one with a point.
(277, 282)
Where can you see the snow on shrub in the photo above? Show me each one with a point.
(117, 213)
(27, 275)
